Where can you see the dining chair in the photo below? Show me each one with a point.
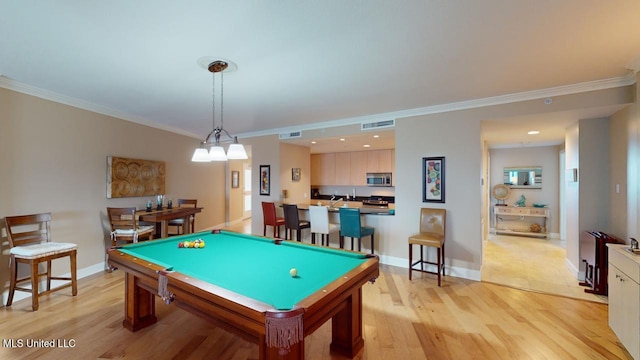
(30, 243)
(179, 223)
(319, 217)
(292, 222)
(271, 219)
(432, 234)
(351, 226)
(125, 227)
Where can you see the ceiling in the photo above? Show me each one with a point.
(313, 65)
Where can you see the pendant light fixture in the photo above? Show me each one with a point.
(212, 141)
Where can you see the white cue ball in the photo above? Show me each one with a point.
(293, 272)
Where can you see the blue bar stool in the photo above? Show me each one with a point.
(351, 226)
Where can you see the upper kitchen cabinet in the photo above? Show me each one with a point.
(380, 161)
(343, 168)
(350, 168)
(323, 169)
(358, 168)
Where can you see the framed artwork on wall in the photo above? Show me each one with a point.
(433, 185)
(265, 180)
(295, 174)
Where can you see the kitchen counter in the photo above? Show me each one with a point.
(364, 210)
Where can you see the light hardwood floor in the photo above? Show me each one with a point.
(403, 319)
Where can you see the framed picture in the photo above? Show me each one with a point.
(295, 174)
(433, 179)
(265, 180)
(235, 179)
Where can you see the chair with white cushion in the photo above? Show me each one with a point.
(125, 227)
(319, 217)
(30, 243)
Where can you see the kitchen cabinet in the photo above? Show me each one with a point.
(380, 161)
(350, 168)
(624, 297)
(343, 168)
(323, 169)
(358, 168)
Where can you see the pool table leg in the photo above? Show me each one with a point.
(346, 327)
(139, 305)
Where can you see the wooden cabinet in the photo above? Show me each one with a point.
(380, 161)
(358, 161)
(624, 297)
(520, 221)
(343, 168)
(350, 168)
(323, 169)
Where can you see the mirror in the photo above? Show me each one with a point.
(523, 177)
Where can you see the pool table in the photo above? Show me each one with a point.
(243, 284)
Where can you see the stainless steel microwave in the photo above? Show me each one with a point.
(378, 179)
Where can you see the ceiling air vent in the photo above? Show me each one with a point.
(378, 124)
(291, 135)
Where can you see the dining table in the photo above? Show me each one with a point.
(161, 218)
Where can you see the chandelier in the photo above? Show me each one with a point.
(212, 141)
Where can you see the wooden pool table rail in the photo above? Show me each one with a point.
(340, 301)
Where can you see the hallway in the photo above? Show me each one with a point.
(531, 264)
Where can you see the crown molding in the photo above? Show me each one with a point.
(628, 79)
(84, 105)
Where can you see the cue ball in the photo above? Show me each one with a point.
(293, 272)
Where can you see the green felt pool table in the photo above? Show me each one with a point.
(243, 284)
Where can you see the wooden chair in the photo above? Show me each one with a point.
(124, 226)
(30, 243)
(432, 234)
(351, 226)
(271, 219)
(319, 217)
(292, 222)
(178, 223)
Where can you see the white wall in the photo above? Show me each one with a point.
(440, 135)
(295, 156)
(53, 159)
(587, 200)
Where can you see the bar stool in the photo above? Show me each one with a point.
(292, 222)
(351, 226)
(432, 233)
(319, 216)
(270, 219)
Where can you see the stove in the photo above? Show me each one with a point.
(375, 202)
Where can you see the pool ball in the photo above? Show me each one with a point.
(293, 272)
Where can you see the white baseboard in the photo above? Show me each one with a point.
(448, 270)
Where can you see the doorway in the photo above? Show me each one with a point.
(246, 192)
(530, 263)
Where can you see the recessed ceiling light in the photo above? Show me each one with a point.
(376, 136)
(342, 139)
(366, 145)
(314, 142)
(533, 132)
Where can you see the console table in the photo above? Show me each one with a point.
(511, 220)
